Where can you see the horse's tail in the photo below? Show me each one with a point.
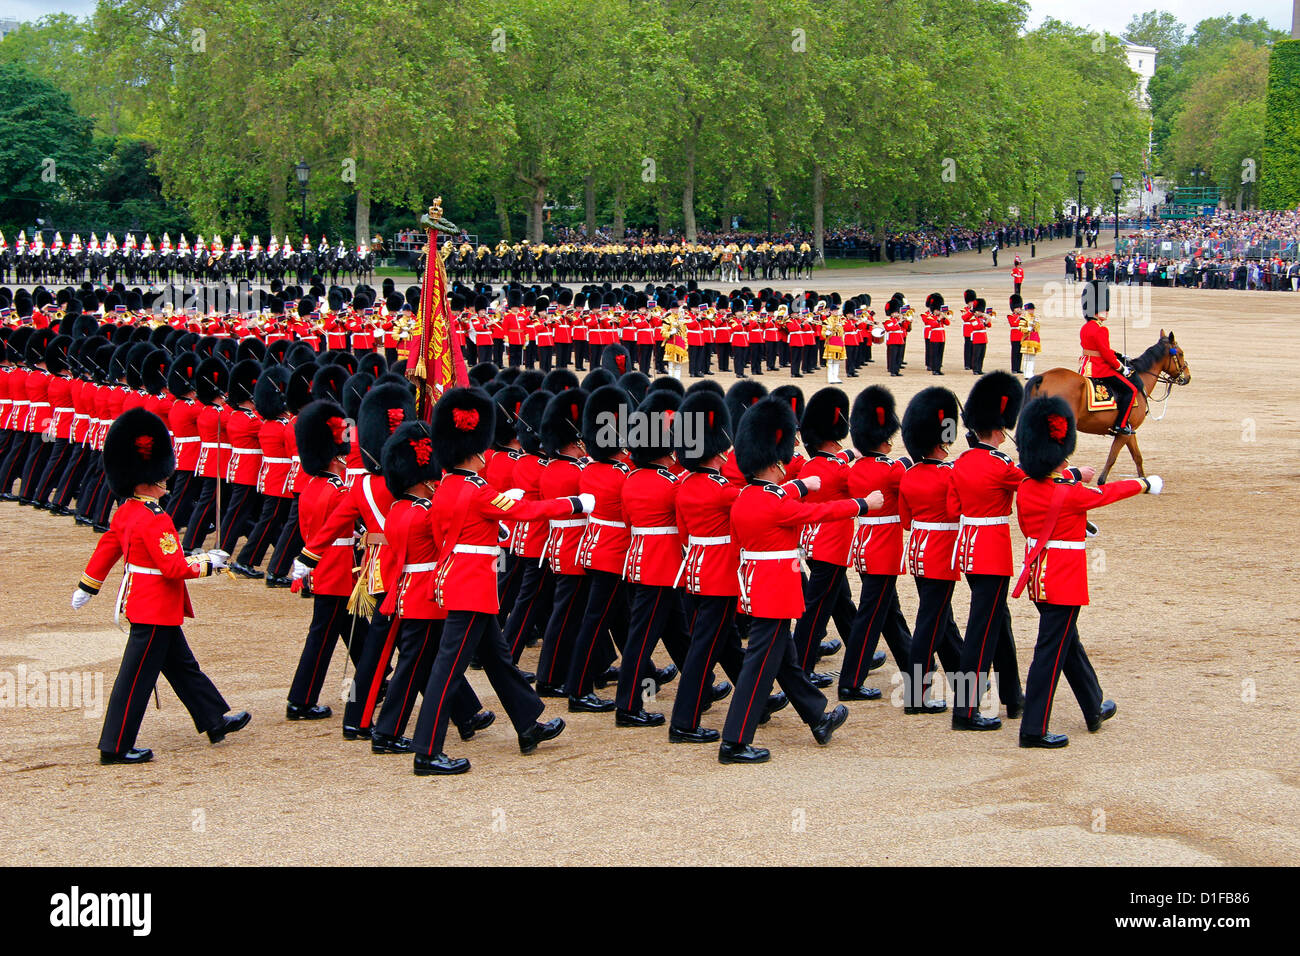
(1032, 386)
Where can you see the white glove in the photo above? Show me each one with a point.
(80, 599)
(218, 558)
(1155, 484)
(588, 503)
(1125, 371)
(299, 571)
(515, 494)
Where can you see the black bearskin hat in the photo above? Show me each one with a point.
(741, 396)
(654, 439)
(606, 407)
(321, 431)
(156, 364)
(250, 348)
(711, 425)
(557, 380)
(874, 419)
(530, 380)
(408, 457)
(300, 353)
(666, 383)
(933, 301)
(270, 394)
(528, 427)
(299, 393)
(637, 385)
(372, 363)
(825, 419)
(596, 378)
(792, 395)
(327, 383)
(930, 420)
(243, 380)
(765, 436)
(705, 385)
(615, 359)
(354, 390)
(994, 402)
(562, 420)
(384, 410)
(482, 373)
(56, 354)
(464, 421)
(137, 451)
(508, 400)
(1045, 436)
(211, 379)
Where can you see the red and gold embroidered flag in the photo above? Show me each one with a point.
(439, 363)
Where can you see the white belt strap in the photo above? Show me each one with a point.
(136, 569)
(186, 441)
(276, 461)
(343, 542)
(370, 500)
(985, 522)
(792, 554)
(935, 525)
(64, 408)
(477, 549)
(247, 451)
(881, 519)
(426, 566)
(1059, 545)
(662, 529)
(603, 523)
(693, 540)
(569, 523)
(127, 571)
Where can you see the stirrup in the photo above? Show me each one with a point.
(1120, 430)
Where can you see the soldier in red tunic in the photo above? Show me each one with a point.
(877, 549)
(926, 510)
(466, 513)
(182, 419)
(983, 483)
(766, 521)
(654, 556)
(1100, 363)
(211, 379)
(138, 460)
(241, 512)
(500, 473)
(1052, 508)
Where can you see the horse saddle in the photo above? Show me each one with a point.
(1100, 398)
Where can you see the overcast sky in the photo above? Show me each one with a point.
(1112, 15)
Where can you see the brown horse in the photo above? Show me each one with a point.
(1162, 364)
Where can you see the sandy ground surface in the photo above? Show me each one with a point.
(1190, 631)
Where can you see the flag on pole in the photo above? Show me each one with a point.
(438, 362)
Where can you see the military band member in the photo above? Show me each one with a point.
(1030, 339)
(766, 521)
(465, 513)
(1015, 319)
(1052, 508)
(138, 460)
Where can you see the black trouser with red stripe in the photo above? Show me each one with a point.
(203, 519)
(152, 649)
(935, 633)
(713, 640)
(12, 467)
(103, 504)
(466, 634)
(740, 356)
(756, 358)
(38, 453)
(330, 620)
(988, 641)
(90, 484)
(977, 352)
(532, 606)
(56, 463)
(878, 613)
(654, 611)
(288, 545)
(269, 525)
(373, 651)
(606, 614)
(418, 641)
(184, 493)
(71, 479)
(1058, 650)
(245, 505)
(769, 656)
(1015, 357)
(826, 585)
(569, 606)
(936, 356)
(508, 580)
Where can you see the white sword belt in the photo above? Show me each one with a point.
(662, 529)
(935, 525)
(476, 549)
(882, 519)
(1058, 545)
(603, 523)
(426, 566)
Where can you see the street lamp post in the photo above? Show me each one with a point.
(1033, 226)
(769, 213)
(1117, 185)
(1078, 211)
(303, 172)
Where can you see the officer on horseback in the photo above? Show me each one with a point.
(1100, 363)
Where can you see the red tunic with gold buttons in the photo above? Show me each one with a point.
(654, 554)
(142, 534)
(984, 483)
(38, 400)
(828, 540)
(414, 556)
(182, 419)
(878, 541)
(528, 538)
(766, 521)
(366, 503)
(214, 441)
(273, 475)
(605, 540)
(704, 501)
(245, 450)
(61, 411)
(1060, 573)
(561, 480)
(926, 510)
(466, 512)
(331, 562)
